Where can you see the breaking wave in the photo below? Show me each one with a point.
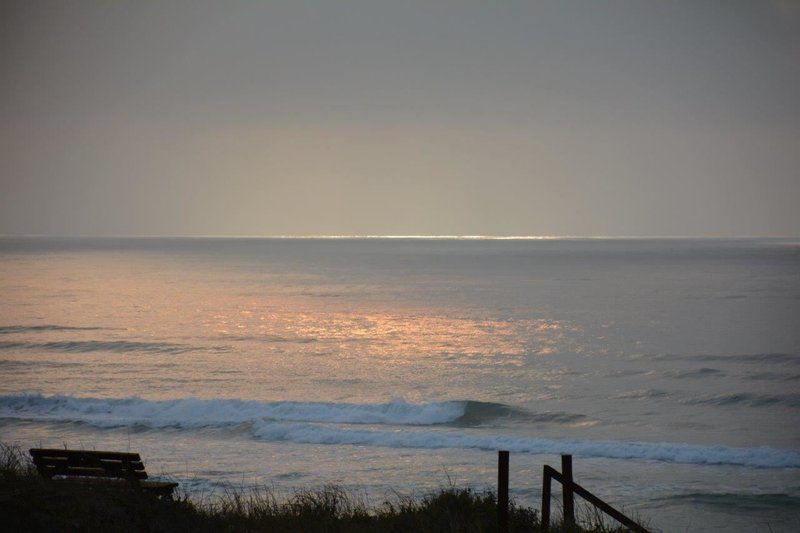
(400, 424)
(194, 412)
(762, 457)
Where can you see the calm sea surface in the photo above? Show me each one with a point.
(670, 369)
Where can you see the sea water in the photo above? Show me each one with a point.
(669, 368)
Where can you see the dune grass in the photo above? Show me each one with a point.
(30, 503)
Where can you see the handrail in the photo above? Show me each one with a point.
(570, 486)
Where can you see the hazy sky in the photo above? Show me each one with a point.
(400, 117)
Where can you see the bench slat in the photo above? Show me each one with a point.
(91, 466)
(155, 487)
(89, 462)
(55, 452)
(117, 470)
(50, 471)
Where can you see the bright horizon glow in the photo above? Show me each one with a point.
(412, 237)
(357, 119)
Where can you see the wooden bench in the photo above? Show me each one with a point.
(93, 467)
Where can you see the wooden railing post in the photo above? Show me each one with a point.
(546, 498)
(502, 491)
(551, 473)
(569, 499)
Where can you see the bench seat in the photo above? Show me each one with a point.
(98, 467)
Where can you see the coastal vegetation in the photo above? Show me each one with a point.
(31, 503)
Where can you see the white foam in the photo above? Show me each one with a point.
(193, 412)
(762, 457)
(316, 423)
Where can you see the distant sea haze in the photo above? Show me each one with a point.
(667, 367)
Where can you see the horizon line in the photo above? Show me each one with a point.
(396, 237)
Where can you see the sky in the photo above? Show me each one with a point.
(337, 117)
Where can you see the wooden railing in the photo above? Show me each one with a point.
(570, 488)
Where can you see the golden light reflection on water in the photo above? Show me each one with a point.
(390, 333)
(251, 336)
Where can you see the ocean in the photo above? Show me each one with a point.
(669, 368)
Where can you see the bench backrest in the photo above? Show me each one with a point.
(79, 463)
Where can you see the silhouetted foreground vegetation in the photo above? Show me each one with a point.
(30, 503)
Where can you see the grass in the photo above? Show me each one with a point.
(30, 503)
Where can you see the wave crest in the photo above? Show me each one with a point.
(333, 423)
(194, 412)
